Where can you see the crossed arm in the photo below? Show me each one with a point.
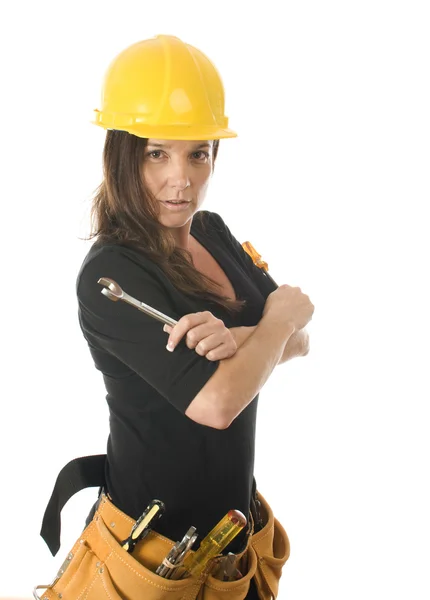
(297, 344)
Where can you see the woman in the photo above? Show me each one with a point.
(182, 417)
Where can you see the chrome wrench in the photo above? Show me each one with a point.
(114, 292)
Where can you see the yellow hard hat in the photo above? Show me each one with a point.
(165, 89)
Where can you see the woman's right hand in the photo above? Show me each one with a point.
(289, 303)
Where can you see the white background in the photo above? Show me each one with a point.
(329, 180)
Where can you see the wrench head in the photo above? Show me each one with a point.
(112, 290)
(109, 295)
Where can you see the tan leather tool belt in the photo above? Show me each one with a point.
(98, 568)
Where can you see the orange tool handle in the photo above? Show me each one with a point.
(257, 260)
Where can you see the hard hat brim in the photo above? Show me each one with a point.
(174, 132)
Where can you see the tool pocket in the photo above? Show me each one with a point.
(100, 569)
(97, 586)
(272, 547)
(83, 574)
(215, 589)
(134, 580)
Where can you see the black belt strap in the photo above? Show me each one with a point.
(89, 471)
(78, 474)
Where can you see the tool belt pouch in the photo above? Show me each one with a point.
(98, 568)
(272, 548)
(266, 553)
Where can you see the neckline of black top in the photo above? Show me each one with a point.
(218, 254)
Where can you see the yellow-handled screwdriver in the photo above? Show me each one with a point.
(215, 542)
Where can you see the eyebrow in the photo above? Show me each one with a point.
(157, 145)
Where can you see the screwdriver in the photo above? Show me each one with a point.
(144, 524)
(215, 542)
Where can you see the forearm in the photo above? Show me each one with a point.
(250, 367)
(296, 345)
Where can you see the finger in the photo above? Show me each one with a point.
(205, 330)
(183, 325)
(208, 343)
(214, 341)
(221, 352)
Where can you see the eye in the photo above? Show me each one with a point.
(198, 155)
(153, 153)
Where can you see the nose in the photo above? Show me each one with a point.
(179, 178)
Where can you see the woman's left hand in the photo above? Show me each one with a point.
(205, 333)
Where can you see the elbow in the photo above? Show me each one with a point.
(220, 423)
(306, 345)
(214, 419)
(209, 411)
(306, 349)
(223, 421)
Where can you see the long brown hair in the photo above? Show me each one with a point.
(124, 212)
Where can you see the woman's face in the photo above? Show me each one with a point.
(178, 170)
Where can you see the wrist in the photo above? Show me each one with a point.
(241, 334)
(284, 327)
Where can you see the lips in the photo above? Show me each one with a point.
(176, 207)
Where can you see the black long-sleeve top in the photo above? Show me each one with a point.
(153, 449)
